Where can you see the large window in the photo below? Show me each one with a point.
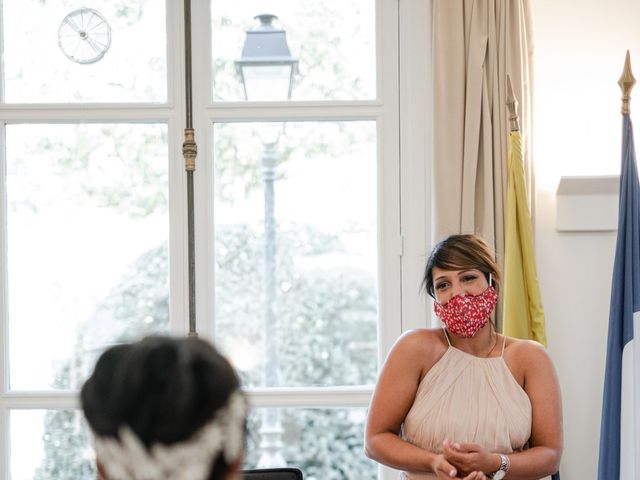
(306, 214)
(304, 154)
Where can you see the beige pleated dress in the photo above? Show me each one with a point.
(465, 398)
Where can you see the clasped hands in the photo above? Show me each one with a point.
(462, 460)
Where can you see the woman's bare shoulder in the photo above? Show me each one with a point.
(422, 343)
(422, 337)
(525, 348)
(524, 355)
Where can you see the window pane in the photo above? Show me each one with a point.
(50, 445)
(334, 43)
(326, 444)
(133, 69)
(55, 444)
(296, 251)
(87, 245)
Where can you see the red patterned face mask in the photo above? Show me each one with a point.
(465, 315)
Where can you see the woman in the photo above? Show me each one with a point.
(465, 401)
(165, 408)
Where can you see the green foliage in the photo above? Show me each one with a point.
(137, 306)
(329, 447)
(326, 310)
(121, 167)
(326, 444)
(335, 309)
(141, 295)
(327, 71)
(238, 150)
(329, 313)
(237, 153)
(327, 337)
(130, 12)
(316, 37)
(66, 448)
(338, 346)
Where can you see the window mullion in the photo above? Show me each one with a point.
(388, 178)
(40, 400)
(301, 112)
(43, 113)
(4, 340)
(178, 245)
(415, 97)
(310, 397)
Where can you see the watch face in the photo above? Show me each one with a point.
(499, 475)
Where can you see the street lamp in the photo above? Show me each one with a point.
(266, 69)
(266, 66)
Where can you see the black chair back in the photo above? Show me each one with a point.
(272, 474)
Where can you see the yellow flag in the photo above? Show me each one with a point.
(523, 315)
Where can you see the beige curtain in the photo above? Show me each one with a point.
(476, 44)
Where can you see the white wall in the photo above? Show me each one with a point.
(578, 57)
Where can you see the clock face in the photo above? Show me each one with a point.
(84, 36)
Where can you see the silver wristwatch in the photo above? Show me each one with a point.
(502, 471)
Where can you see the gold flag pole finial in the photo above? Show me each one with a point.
(512, 105)
(626, 82)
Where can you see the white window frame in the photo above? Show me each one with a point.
(404, 158)
(404, 168)
(172, 114)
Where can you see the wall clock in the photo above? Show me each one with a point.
(84, 36)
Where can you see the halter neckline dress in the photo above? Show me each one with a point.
(468, 399)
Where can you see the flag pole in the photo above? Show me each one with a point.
(619, 438)
(512, 105)
(523, 313)
(626, 82)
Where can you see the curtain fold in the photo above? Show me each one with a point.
(476, 44)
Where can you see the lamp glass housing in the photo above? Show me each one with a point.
(267, 82)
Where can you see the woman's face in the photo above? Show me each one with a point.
(449, 283)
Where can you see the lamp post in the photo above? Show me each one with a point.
(266, 69)
(266, 66)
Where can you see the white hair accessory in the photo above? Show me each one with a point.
(126, 457)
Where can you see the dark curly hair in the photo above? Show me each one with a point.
(163, 388)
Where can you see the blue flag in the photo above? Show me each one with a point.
(620, 410)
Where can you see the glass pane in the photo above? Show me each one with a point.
(334, 43)
(87, 245)
(37, 69)
(296, 251)
(50, 445)
(326, 444)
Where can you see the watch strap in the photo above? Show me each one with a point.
(504, 466)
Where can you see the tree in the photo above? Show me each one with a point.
(330, 307)
(335, 306)
(327, 337)
(66, 448)
(135, 307)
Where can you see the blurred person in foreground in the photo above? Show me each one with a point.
(465, 401)
(165, 408)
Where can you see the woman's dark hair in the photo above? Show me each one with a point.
(163, 388)
(461, 252)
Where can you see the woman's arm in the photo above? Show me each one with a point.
(542, 386)
(545, 444)
(410, 357)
